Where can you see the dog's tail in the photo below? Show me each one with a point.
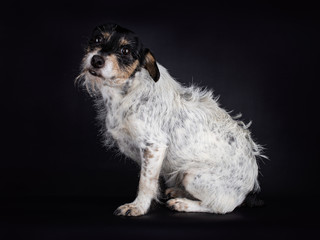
(253, 200)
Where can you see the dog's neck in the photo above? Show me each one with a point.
(118, 101)
(116, 95)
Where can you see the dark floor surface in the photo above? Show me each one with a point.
(92, 218)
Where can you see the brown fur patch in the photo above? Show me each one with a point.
(123, 41)
(151, 65)
(127, 72)
(106, 34)
(115, 64)
(130, 69)
(122, 74)
(147, 154)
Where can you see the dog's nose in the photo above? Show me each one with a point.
(97, 61)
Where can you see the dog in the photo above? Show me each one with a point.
(206, 157)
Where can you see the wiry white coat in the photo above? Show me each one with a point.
(202, 149)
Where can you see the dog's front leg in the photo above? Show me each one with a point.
(151, 162)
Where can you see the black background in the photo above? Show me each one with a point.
(260, 58)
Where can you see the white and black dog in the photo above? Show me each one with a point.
(206, 157)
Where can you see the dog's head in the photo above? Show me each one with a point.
(113, 56)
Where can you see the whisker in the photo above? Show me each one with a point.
(79, 78)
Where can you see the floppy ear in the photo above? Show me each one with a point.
(149, 63)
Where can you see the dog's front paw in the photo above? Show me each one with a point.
(130, 209)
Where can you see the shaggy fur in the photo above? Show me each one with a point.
(207, 158)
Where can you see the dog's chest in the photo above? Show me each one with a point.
(118, 126)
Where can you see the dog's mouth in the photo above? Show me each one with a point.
(92, 72)
(95, 72)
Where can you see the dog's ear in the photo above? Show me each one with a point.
(149, 63)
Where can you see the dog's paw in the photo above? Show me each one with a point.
(178, 204)
(130, 209)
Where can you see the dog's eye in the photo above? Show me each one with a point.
(98, 39)
(125, 51)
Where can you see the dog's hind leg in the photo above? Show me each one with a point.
(214, 194)
(176, 192)
(186, 205)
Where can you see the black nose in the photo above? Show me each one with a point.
(97, 61)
